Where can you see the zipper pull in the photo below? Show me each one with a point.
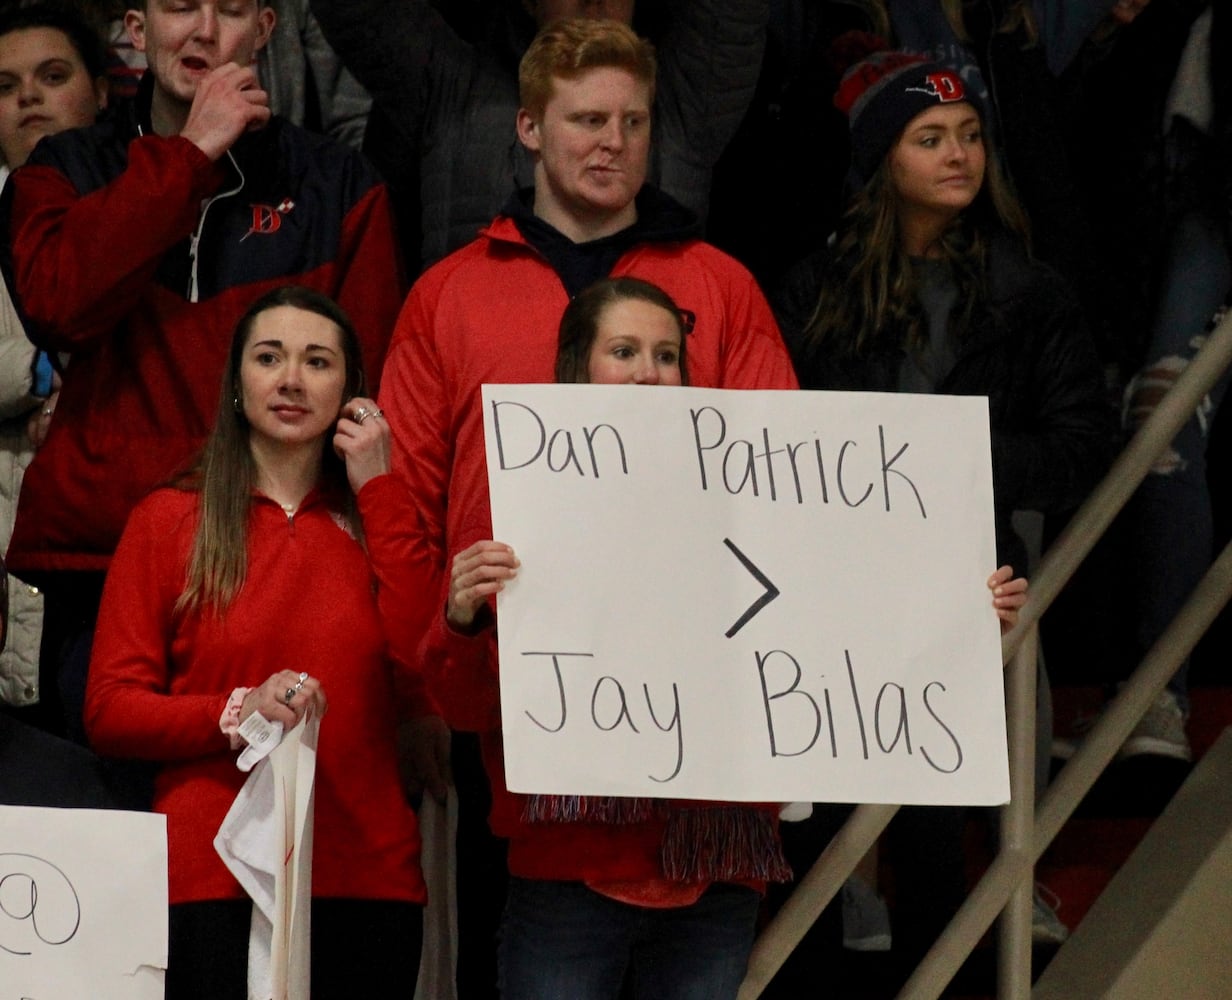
(192, 265)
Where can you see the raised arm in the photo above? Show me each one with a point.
(68, 288)
(402, 52)
(299, 64)
(709, 63)
(344, 101)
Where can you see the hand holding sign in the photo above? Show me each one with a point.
(476, 574)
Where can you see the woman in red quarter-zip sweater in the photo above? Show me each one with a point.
(255, 583)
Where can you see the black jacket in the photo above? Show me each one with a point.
(1029, 352)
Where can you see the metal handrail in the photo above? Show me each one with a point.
(820, 885)
(1026, 832)
(1092, 519)
(1013, 869)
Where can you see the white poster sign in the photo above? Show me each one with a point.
(83, 904)
(747, 596)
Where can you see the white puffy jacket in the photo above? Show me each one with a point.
(19, 661)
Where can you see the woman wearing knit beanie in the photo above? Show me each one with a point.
(928, 286)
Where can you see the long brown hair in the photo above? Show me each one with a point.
(868, 292)
(225, 474)
(1017, 15)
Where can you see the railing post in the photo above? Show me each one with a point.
(1084, 529)
(1012, 866)
(811, 895)
(1017, 832)
(1122, 713)
(1021, 846)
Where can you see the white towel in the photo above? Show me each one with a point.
(266, 843)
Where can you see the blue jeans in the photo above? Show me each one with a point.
(563, 941)
(1170, 515)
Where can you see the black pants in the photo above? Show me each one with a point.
(359, 947)
(483, 874)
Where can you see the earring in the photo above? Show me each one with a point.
(235, 401)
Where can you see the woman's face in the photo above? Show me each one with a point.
(937, 165)
(637, 343)
(292, 377)
(45, 88)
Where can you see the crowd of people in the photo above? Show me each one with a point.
(261, 255)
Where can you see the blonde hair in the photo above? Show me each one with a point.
(567, 48)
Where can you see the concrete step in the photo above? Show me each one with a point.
(1162, 927)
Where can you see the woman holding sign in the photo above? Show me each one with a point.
(660, 894)
(929, 286)
(664, 892)
(252, 589)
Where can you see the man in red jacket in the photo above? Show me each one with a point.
(136, 245)
(490, 312)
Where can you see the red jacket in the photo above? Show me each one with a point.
(489, 313)
(137, 255)
(159, 681)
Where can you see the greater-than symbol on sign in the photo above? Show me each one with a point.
(771, 590)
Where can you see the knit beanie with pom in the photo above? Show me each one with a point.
(883, 92)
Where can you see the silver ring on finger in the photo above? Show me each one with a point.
(290, 693)
(362, 414)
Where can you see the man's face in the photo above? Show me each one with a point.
(546, 11)
(185, 39)
(593, 143)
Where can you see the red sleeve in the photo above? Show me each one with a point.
(404, 573)
(82, 263)
(461, 668)
(461, 673)
(128, 710)
(414, 399)
(755, 357)
(371, 280)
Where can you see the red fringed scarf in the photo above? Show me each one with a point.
(702, 841)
